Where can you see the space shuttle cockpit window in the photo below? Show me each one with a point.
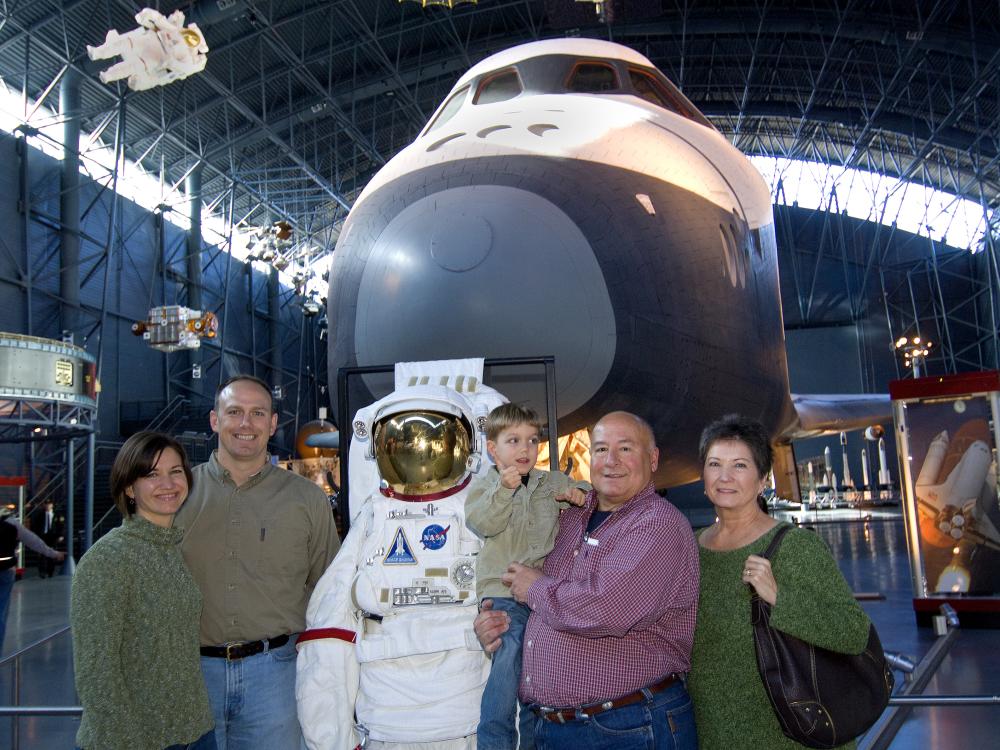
(498, 87)
(422, 453)
(650, 88)
(592, 78)
(450, 109)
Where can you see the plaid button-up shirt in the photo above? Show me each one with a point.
(613, 612)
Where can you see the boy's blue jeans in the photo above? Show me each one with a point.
(498, 724)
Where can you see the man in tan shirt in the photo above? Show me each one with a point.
(257, 540)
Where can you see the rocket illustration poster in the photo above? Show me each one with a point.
(953, 462)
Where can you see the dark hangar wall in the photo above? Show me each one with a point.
(138, 381)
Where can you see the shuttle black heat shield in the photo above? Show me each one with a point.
(652, 298)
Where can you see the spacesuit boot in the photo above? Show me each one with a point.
(110, 48)
(389, 637)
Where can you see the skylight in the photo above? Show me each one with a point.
(875, 197)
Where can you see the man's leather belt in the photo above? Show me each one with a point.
(562, 715)
(234, 651)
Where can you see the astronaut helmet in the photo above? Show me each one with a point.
(194, 39)
(423, 453)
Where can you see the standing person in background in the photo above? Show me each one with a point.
(51, 527)
(809, 597)
(257, 540)
(134, 610)
(12, 532)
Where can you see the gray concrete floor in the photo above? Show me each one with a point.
(872, 555)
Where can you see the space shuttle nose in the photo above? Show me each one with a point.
(462, 243)
(489, 270)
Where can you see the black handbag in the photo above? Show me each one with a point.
(821, 698)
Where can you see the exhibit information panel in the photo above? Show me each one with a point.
(946, 435)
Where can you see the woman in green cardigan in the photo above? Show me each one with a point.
(809, 597)
(135, 610)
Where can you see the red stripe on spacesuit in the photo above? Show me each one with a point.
(391, 493)
(320, 633)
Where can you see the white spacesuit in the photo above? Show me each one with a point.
(389, 636)
(160, 51)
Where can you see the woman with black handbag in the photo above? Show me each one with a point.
(808, 597)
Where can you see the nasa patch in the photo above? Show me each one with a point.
(400, 552)
(434, 536)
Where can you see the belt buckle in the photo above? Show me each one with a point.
(555, 715)
(229, 650)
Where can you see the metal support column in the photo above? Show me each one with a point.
(193, 186)
(88, 498)
(70, 492)
(275, 348)
(69, 202)
(274, 326)
(23, 152)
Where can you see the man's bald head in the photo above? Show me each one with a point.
(644, 426)
(623, 457)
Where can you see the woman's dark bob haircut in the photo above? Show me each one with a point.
(746, 430)
(136, 459)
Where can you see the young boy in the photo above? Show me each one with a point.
(515, 509)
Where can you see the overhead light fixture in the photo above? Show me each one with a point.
(914, 350)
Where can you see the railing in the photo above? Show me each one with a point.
(57, 484)
(16, 710)
(915, 679)
(104, 453)
(112, 514)
(177, 403)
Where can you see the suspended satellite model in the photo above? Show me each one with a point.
(160, 51)
(172, 327)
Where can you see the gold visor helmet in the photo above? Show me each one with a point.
(422, 453)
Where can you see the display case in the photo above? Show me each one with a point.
(947, 436)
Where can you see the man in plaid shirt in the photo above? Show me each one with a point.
(613, 609)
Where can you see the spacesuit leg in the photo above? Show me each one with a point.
(112, 47)
(144, 80)
(124, 69)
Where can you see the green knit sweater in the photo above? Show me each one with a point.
(814, 603)
(134, 609)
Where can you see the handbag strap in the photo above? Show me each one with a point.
(760, 608)
(768, 554)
